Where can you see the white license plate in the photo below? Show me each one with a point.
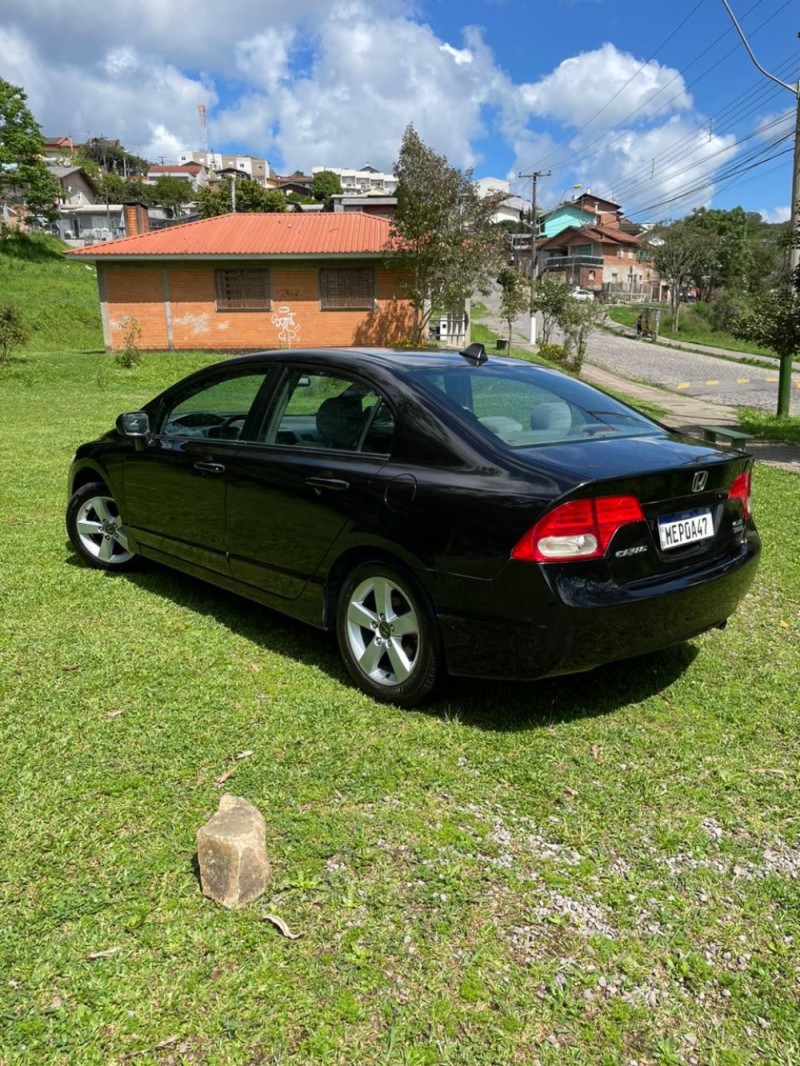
(687, 528)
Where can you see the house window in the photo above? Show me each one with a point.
(242, 290)
(347, 290)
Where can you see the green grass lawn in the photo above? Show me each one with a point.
(596, 869)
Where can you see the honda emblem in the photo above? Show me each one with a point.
(699, 480)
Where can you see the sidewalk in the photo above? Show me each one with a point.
(685, 413)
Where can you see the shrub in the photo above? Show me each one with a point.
(131, 354)
(13, 331)
(555, 353)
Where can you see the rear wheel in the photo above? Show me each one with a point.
(387, 634)
(95, 528)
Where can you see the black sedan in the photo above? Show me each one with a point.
(443, 512)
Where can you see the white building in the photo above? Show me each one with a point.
(252, 165)
(366, 181)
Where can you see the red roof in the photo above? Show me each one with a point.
(289, 234)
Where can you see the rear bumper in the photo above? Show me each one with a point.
(582, 625)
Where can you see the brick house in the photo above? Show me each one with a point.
(253, 281)
(604, 258)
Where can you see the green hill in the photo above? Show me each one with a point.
(58, 298)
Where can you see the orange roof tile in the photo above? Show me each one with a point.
(289, 234)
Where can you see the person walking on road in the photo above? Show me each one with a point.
(639, 326)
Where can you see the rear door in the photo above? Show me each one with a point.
(313, 471)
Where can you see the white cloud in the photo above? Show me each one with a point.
(335, 84)
(619, 78)
(776, 214)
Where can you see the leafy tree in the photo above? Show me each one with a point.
(550, 295)
(13, 331)
(442, 231)
(171, 193)
(725, 261)
(23, 174)
(578, 319)
(325, 185)
(250, 198)
(774, 322)
(112, 158)
(514, 296)
(678, 252)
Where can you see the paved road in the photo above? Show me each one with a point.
(710, 378)
(716, 380)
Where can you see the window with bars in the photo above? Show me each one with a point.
(243, 290)
(347, 289)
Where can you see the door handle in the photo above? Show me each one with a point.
(210, 468)
(334, 484)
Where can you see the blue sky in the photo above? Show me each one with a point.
(654, 105)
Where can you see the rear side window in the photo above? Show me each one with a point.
(524, 407)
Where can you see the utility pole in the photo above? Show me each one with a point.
(785, 372)
(534, 176)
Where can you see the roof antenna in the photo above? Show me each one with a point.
(475, 354)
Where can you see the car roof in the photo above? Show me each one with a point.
(389, 358)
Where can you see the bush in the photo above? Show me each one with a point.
(13, 331)
(555, 353)
(131, 354)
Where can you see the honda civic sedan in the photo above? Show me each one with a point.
(441, 512)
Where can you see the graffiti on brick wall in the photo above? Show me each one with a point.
(286, 324)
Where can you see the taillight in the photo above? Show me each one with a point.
(580, 529)
(740, 490)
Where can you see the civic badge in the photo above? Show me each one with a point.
(699, 480)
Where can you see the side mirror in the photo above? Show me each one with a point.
(134, 424)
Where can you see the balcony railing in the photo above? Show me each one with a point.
(567, 262)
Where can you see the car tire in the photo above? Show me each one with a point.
(387, 634)
(96, 531)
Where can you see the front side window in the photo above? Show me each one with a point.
(215, 411)
(318, 410)
(242, 290)
(345, 289)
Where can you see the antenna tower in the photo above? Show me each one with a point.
(201, 109)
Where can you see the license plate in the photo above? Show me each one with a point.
(677, 530)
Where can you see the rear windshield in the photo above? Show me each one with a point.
(524, 406)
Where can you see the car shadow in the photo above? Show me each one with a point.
(500, 706)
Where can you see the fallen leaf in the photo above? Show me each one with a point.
(224, 776)
(103, 954)
(569, 791)
(255, 668)
(70, 667)
(244, 754)
(279, 923)
(783, 625)
(595, 753)
(113, 714)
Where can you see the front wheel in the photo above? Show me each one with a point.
(387, 635)
(95, 528)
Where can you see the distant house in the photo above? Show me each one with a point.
(600, 258)
(250, 281)
(58, 150)
(194, 174)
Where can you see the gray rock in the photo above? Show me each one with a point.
(232, 855)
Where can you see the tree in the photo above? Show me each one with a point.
(23, 174)
(678, 252)
(441, 232)
(325, 185)
(550, 295)
(13, 331)
(171, 193)
(514, 296)
(774, 322)
(111, 157)
(726, 260)
(250, 198)
(578, 320)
